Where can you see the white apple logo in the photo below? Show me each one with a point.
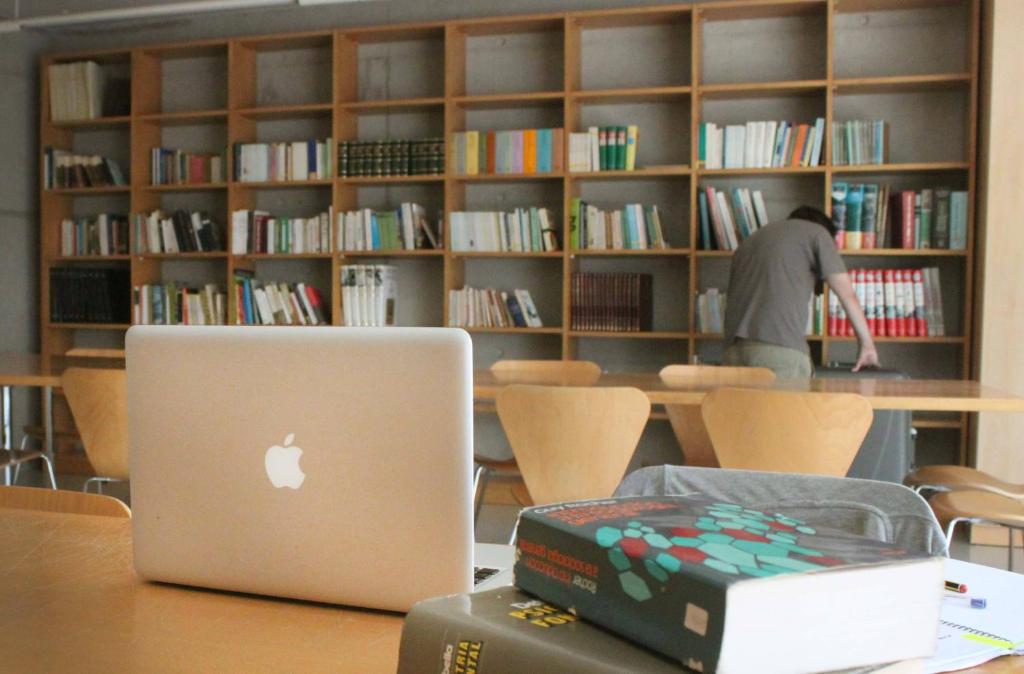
(282, 464)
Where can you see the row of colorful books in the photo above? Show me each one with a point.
(872, 216)
(178, 231)
(168, 166)
(285, 161)
(64, 169)
(521, 230)
(633, 227)
(369, 295)
(728, 218)
(858, 141)
(271, 303)
(896, 302)
(620, 302)
(102, 234)
(604, 148)
(404, 228)
(259, 232)
(507, 152)
(489, 308)
(178, 303)
(381, 158)
(764, 144)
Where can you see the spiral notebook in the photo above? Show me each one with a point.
(970, 636)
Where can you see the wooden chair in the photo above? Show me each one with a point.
(554, 372)
(814, 433)
(686, 420)
(62, 501)
(955, 478)
(99, 405)
(572, 443)
(978, 507)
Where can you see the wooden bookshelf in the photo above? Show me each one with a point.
(680, 72)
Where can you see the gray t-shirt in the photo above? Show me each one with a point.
(772, 279)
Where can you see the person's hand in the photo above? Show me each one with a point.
(867, 357)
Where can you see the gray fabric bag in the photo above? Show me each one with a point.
(880, 510)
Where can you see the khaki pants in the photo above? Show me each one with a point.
(786, 363)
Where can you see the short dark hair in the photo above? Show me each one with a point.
(812, 214)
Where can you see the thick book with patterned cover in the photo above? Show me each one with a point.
(724, 588)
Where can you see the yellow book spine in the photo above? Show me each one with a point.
(530, 151)
(472, 153)
(631, 138)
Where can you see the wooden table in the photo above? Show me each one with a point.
(71, 602)
(933, 395)
(33, 370)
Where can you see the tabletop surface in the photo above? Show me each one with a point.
(71, 602)
(32, 369)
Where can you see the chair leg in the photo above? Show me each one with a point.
(950, 529)
(480, 480)
(88, 483)
(49, 471)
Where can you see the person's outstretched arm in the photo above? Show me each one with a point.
(867, 355)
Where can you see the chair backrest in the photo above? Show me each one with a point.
(560, 372)
(883, 511)
(572, 442)
(99, 403)
(687, 422)
(62, 501)
(789, 432)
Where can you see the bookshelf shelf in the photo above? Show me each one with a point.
(948, 424)
(921, 167)
(901, 83)
(611, 334)
(186, 187)
(632, 95)
(663, 68)
(281, 184)
(764, 89)
(85, 191)
(641, 172)
(650, 252)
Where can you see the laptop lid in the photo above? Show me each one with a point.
(329, 464)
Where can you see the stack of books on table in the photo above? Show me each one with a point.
(652, 583)
(490, 308)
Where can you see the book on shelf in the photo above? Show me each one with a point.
(177, 231)
(489, 308)
(760, 145)
(102, 234)
(81, 90)
(721, 587)
(284, 161)
(404, 228)
(64, 169)
(728, 217)
(518, 151)
(382, 158)
(869, 216)
(632, 227)
(521, 230)
(369, 295)
(90, 295)
(169, 166)
(896, 303)
(259, 232)
(178, 303)
(621, 302)
(857, 142)
(273, 303)
(710, 313)
(604, 148)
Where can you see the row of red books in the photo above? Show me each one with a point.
(896, 302)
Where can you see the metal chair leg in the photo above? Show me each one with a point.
(950, 528)
(49, 471)
(480, 480)
(88, 483)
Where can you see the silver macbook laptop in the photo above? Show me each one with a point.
(328, 464)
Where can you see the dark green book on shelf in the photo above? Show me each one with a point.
(724, 588)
